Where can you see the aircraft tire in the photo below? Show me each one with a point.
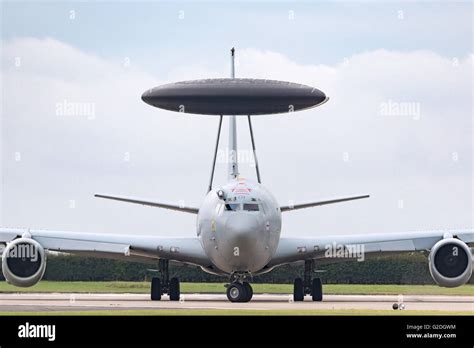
(317, 290)
(174, 289)
(298, 290)
(236, 292)
(248, 292)
(155, 291)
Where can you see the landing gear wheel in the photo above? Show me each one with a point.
(317, 290)
(155, 289)
(298, 290)
(236, 292)
(174, 289)
(248, 292)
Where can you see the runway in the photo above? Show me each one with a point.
(51, 302)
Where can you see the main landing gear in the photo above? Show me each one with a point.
(307, 286)
(163, 285)
(239, 290)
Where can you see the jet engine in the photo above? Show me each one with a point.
(23, 262)
(450, 262)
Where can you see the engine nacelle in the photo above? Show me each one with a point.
(450, 262)
(23, 262)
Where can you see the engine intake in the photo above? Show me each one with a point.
(23, 262)
(450, 262)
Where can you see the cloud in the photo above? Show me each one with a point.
(417, 166)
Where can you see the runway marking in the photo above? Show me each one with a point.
(260, 302)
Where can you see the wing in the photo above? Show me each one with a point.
(150, 203)
(318, 203)
(298, 249)
(115, 246)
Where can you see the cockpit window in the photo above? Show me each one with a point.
(244, 206)
(232, 207)
(251, 207)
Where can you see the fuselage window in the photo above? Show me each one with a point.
(251, 207)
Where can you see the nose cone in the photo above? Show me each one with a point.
(242, 230)
(242, 248)
(242, 245)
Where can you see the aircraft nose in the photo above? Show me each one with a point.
(242, 228)
(242, 247)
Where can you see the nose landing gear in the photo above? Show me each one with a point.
(163, 285)
(239, 290)
(307, 286)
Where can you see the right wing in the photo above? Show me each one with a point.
(115, 246)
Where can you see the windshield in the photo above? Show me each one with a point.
(232, 207)
(251, 207)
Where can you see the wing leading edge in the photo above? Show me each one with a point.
(181, 208)
(298, 249)
(315, 204)
(116, 246)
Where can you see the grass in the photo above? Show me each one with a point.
(224, 312)
(144, 287)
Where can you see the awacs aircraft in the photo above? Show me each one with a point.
(239, 223)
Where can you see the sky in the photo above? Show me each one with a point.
(398, 125)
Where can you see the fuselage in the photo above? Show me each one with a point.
(239, 226)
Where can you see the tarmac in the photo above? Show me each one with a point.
(51, 302)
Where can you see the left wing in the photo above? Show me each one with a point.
(298, 249)
(141, 201)
(115, 246)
